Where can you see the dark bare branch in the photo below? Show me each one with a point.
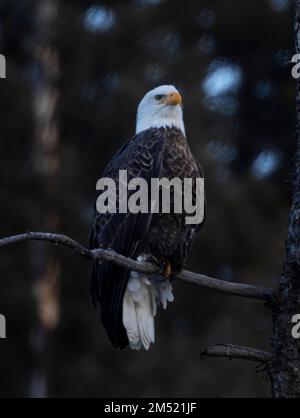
(237, 289)
(238, 352)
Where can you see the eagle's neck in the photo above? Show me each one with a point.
(169, 117)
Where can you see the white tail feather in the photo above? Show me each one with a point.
(140, 301)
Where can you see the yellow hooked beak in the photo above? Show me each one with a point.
(173, 98)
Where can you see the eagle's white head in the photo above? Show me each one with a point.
(160, 107)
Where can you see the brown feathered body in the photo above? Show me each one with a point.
(153, 153)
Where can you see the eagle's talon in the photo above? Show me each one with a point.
(167, 270)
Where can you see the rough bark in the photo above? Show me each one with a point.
(286, 350)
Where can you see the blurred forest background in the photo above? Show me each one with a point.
(76, 71)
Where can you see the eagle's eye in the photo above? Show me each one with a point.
(159, 96)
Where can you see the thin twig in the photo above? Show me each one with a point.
(100, 254)
(239, 352)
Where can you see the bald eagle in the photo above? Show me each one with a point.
(159, 149)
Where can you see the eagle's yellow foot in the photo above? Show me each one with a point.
(167, 270)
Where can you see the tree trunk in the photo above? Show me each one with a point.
(285, 371)
(46, 165)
